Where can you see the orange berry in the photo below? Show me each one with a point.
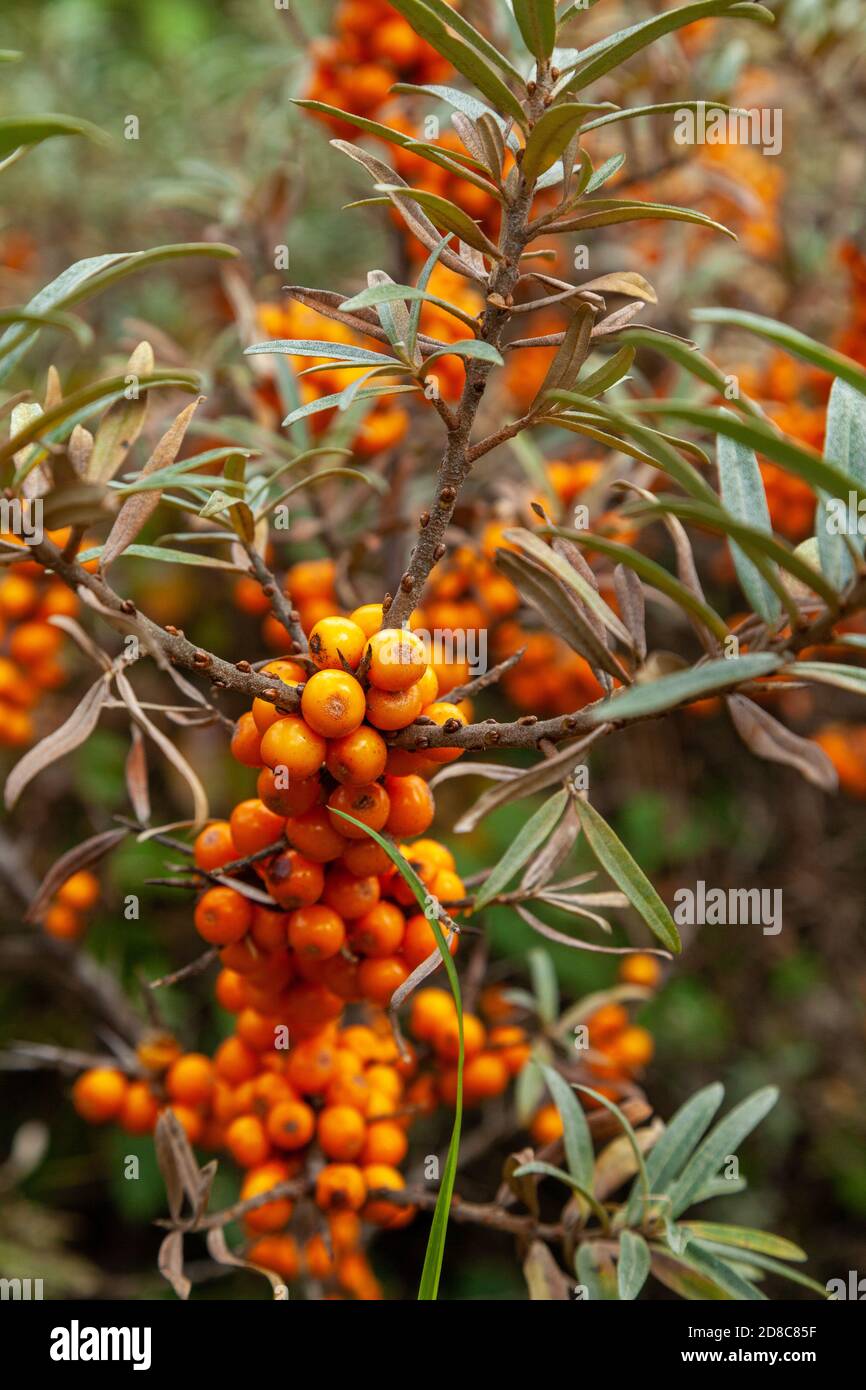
(258, 1030)
(441, 711)
(380, 931)
(235, 1062)
(397, 659)
(269, 930)
(361, 1041)
(254, 827)
(340, 1185)
(349, 895)
(34, 642)
(190, 1121)
(446, 1039)
(272, 1216)
(333, 703)
(293, 880)
(291, 799)
(447, 886)
(512, 1045)
(316, 931)
(18, 597)
(63, 922)
(378, 978)
(484, 1076)
(290, 743)
(157, 1051)
(247, 1142)
(432, 1009)
(369, 618)
(246, 742)
(393, 709)
(385, 1079)
(633, 1048)
(310, 1005)
(229, 991)
(249, 598)
(607, 1021)
(335, 641)
(546, 1126)
(314, 836)
(428, 686)
(222, 915)
(339, 974)
(190, 1079)
(412, 806)
(380, 1212)
(318, 1259)
(278, 1253)
(419, 941)
(265, 712)
(81, 891)
(98, 1094)
(341, 1131)
(291, 1124)
(363, 857)
(640, 969)
(311, 1065)
(369, 804)
(357, 758)
(139, 1111)
(385, 1142)
(214, 846)
(14, 685)
(310, 579)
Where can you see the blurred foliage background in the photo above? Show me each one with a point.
(222, 155)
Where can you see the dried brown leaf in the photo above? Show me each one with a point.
(81, 856)
(71, 734)
(768, 738)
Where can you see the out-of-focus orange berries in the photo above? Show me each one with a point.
(140, 1109)
(341, 1132)
(272, 1216)
(340, 1185)
(190, 1079)
(546, 1126)
(640, 969)
(98, 1094)
(80, 892)
(278, 1253)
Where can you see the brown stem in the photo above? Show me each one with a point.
(280, 605)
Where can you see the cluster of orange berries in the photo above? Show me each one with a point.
(65, 916)
(372, 47)
(29, 661)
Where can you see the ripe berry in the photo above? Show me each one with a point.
(640, 969)
(80, 892)
(419, 941)
(341, 1131)
(412, 806)
(139, 1111)
(63, 922)
(313, 835)
(293, 880)
(246, 742)
(273, 1216)
(222, 916)
(247, 1142)
(340, 1185)
(190, 1079)
(98, 1094)
(357, 758)
(395, 709)
(378, 978)
(291, 800)
(380, 1212)
(291, 1125)
(440, 712)
(362, 857)
(316, 931)
(385, 1142)
(546, 1126)
(334, 638)
(349, 895)
(265, 712)
(333, 703)
(278, 1253)
(398, 659)
(368, 804)
(379, 932)
(214, 846)
(235, 1062)
(290, 743)
(254, 827)
(431, 1010)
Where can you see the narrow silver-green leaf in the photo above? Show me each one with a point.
(576, 1136)
(613, 856)
(719, 1145)
(675, 1147)
(523, 846)
(633, 1265)
(742, 492)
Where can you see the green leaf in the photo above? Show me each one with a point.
(609, 212)
(461, 101)
(618, 47)
(549, 137)
(549, 1170)
(612, 371)
(388, 294)
(456, 21)
(652, 574)
(537, 22)
(791, 339)
(432, 1270)
(446, 214)
(843, 677)
(742, 492)
(332, 402)
(50, 318)
(306, 347)
(796, 1276)
(576, 1136)
(844, 446)
(604, 172)
(670, 1153)
(469, 347)
(417, 304)
(633, 1265)
(523, 846)
(627, 875)
(758, 542)
(719, 1144)
(630, 113)
(695, 683)
(627, 1130)
(687, 356)
(166, 556)
(545, 987)
(681, 1278)
(721, 1273)
(16, 131)
(588, 1268)
(744, 1238)
(473, 58)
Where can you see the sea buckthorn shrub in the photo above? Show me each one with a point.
(482, 445)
